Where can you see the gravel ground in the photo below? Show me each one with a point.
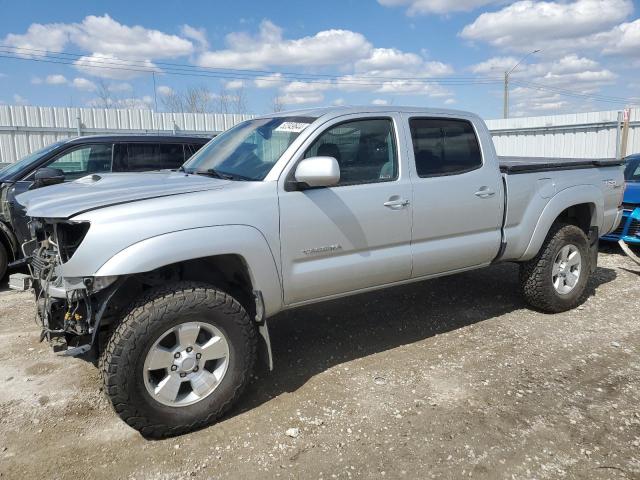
(448, 378)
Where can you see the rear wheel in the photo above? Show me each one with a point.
(555, 280)
(179, 359)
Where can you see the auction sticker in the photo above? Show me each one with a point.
(295, 127)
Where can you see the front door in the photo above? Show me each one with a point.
(354, 235)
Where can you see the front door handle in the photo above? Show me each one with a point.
(485, 192)
(396, 203)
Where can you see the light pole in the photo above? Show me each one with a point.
(506, 83)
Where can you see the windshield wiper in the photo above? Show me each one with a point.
(212, 172)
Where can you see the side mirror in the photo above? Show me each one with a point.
(47, 176)
(318, 172)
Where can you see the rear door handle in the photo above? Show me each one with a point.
(485, 192)
(396, 203)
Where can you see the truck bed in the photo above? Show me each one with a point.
(514, 165)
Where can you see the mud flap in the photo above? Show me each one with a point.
(594, 242)
(263, 330)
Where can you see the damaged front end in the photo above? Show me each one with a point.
(69, 309)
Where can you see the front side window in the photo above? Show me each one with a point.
(249, 150)
(365, 150)
(444, 147)
(27, 162)
(84, 160)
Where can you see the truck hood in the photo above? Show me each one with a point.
(632, 193)
(97, 191)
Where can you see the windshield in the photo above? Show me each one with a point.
(249, 150)
(26, 162)
(632, 170)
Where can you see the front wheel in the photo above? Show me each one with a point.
(555, 280)
(179, 359)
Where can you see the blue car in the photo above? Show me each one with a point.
(629, 228)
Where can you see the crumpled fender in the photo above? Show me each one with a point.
(243, 240)
(560, 202)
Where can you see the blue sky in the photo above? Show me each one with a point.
(255, 55)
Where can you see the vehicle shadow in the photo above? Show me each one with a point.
(312, 339)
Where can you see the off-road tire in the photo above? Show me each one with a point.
(536, 274)
(4, 261)
(122, 362)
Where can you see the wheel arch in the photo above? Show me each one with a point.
(211, 254)
(582, 206)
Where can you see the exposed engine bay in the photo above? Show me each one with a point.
(68, 310)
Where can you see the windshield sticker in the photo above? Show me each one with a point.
(295, 127)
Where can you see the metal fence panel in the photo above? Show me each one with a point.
(24, 129)
(579, 135)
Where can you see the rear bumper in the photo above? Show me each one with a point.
(629, 228)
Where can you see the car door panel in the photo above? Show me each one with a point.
(341, 239)
(457, 211)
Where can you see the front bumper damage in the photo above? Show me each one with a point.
(69, 309)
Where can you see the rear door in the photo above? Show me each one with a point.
(354, 235)
(457, 197)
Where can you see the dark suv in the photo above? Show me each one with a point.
(74, 158)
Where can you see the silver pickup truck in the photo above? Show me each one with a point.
(169, 277)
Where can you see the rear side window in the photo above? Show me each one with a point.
(190, 149)
(444, 147)
(171, 155)
(153, 156)
(141, 157)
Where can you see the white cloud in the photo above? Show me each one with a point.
(338, 102)
(83, 84)
(301, 98)
(120, 87)
(269, 81)
(426, 7)
(107, 39)
(379, 101)
(116, 68)
(234, 84)
(527, 24)
(198, 35)
(450, 101)
(623, 39)
(494, 65)
(52, 36)
(164, 90)
(36, 80)
(268, 47)
(56, 79)
(106, 35)
(20, 100)
(391, 62)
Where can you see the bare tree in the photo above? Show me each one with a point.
(104, 95)
(198, 99)
(276, 104)
(239, 101)
(223, 101)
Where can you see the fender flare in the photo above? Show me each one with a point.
(564, 199)
(182, 245)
